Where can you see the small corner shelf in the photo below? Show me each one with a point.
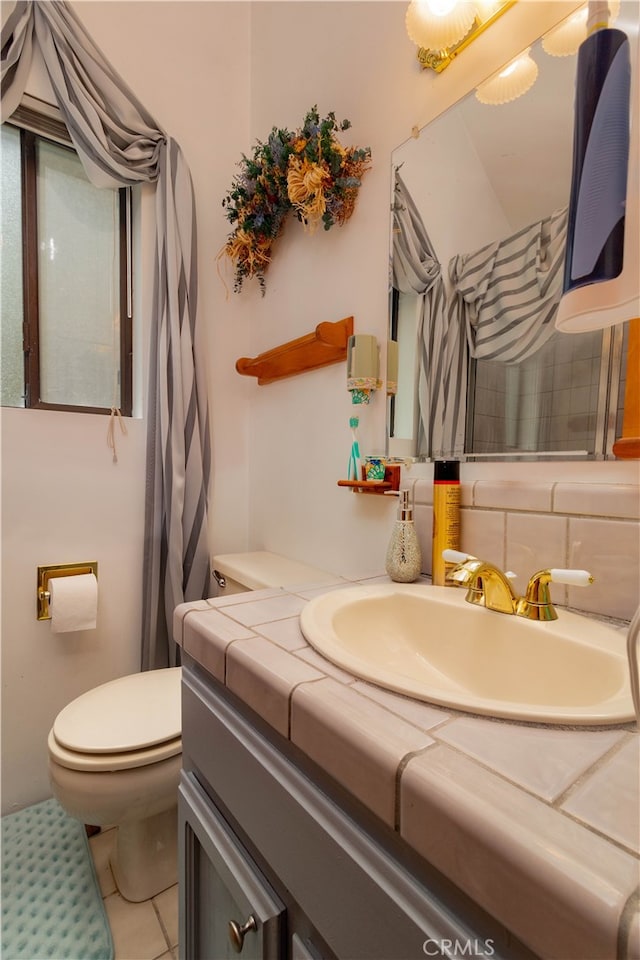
(390, 484)
(327, 344)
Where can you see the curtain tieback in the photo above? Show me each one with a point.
(111, 430)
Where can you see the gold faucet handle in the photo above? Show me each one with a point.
(536, 604)
(456, 556)
(573, 578)
(459, 574)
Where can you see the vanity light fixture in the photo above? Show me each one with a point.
(511, 82)
(439, 23)
(443, 28)
(564, 39)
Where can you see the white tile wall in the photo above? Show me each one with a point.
(482, 534)
(527, 527)
(599, 500)
(506, 495)
(609, 550)
(536, 541)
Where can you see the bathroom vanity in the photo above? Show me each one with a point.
(263, 840)
(321, 816)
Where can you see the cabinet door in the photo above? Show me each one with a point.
(303, 949)
(227, 907)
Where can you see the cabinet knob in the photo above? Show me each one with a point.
(237, 932)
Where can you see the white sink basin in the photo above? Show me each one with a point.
(427, 642)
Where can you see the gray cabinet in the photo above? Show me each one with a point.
(282, 847)
(229, 908)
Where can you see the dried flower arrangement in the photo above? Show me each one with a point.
(308, 172)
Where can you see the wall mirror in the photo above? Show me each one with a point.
(479, 174)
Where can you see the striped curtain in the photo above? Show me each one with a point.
(506, 294)
(119, 143)
(442, 358)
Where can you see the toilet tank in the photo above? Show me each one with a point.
(255, 571)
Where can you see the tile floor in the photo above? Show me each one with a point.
(140, 931)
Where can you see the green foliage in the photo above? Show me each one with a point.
(306, 172)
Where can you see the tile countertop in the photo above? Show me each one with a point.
(538, 825)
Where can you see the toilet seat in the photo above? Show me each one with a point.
(129, 722)
(98, 762)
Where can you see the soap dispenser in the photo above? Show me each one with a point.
(404, 559)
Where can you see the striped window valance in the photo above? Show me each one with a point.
(506, 294)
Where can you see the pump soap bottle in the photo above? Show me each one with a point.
(404, 559)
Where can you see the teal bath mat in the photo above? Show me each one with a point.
(51, 902)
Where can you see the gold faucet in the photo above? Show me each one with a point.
(489, 587)
(486, 585)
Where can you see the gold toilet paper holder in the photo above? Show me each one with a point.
(48, 571)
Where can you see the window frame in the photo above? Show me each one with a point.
(34, 126)
(609, 412)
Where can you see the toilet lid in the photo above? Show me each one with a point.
(129, 714)
(101, 762)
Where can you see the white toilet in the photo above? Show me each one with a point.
(115, 752)
(114, 759)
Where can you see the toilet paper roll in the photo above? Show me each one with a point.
(73, 603)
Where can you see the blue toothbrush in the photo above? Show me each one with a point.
(354, 459)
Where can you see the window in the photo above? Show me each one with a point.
(66, 304)
(565, 400)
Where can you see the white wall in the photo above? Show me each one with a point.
(63, 499)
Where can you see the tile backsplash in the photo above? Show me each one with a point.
(525, 527)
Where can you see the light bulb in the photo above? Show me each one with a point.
(440, 8)
(438, 24)
(564, 40)
(511, 82)
(509, 70)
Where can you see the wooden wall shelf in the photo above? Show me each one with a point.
(390, 483)
(327, 344)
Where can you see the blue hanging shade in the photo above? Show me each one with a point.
(600, 285)
(595, 242)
